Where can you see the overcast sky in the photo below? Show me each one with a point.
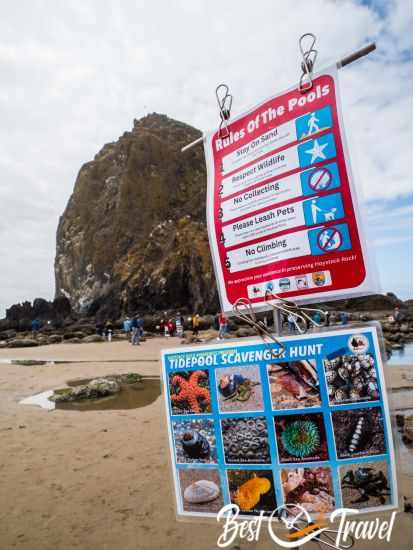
(75, 74)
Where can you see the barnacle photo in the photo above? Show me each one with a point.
(351, 378)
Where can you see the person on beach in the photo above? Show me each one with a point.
(36, 326)
(195, 325)
(397, 316)
(223, 323)
(291, 323)
(135, 332)
(127, 326)
(99, 328)
(141, 325)
(179, 326)
(317, 317)
(170, 327)
(109, 330)
(344, 316)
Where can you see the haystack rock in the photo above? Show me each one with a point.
(133, 235)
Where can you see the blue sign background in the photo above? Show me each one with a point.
(326, 146)
(314, 175)
(315, 121)
(314, 237)
(328, 208)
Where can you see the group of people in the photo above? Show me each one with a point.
(105, 329)
(175, 326)
(134, 329)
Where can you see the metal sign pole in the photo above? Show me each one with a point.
(340, 64)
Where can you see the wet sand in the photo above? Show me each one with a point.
(100, 480)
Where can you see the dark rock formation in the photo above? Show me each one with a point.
(375, 302)
(20, 316)
(133, 235)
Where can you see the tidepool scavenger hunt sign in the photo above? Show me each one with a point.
(310, 429)
(281, 205)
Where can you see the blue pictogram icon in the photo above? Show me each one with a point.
(317, 180)
(324, 240)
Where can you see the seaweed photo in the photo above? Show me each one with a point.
(311, 488)
(365, 485)
(195, 441)
(359, 432)
(301, 437)
(245, 440)
(252, 490)
(294, 385)
(200, 490)
(239, 389)
(190, 392)
(351, 379)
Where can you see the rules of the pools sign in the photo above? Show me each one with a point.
(281, 207)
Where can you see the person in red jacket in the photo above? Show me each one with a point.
(223, 324)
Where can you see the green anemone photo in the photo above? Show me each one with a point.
(300, 438)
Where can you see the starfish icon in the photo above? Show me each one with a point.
(317, 151)
(190, 391)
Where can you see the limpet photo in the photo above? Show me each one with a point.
(351, 378)
(190, 392)
(294, 385)
(359, 432)
(301, 437)
(239, 389)
(195, 441)
(365, 485)
(311, 488)
(252, 490)
(245, 440)
(200, 490)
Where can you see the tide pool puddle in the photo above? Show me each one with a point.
(133, 396)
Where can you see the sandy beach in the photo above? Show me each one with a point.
(100, 480)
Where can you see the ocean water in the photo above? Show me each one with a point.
(402, 357)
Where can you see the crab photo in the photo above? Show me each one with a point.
(239, 389)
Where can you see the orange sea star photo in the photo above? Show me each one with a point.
(190, 391)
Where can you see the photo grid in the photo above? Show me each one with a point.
(310, 432)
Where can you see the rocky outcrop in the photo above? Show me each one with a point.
(133, 235)
(99, 387)
(20, 316)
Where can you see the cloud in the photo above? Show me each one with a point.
(74, 75)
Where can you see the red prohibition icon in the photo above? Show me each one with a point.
(320, 179)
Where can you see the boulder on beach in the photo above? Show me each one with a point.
(408, 429)
(8, 334)
(55, 339)
(22, 343)
(99, 387)
(93, 338)
(242, 332)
